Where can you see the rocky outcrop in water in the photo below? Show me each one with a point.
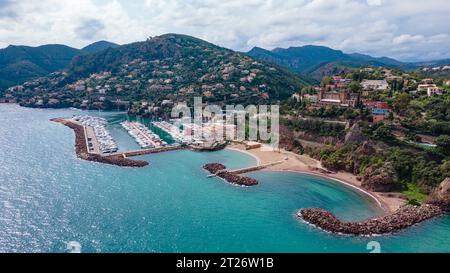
(405, 217)
(220, 171)
(441, 196)
(214, 167)
(382, 179)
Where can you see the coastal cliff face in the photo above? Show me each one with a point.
(403, 218)
(441, 196)
(383, 179)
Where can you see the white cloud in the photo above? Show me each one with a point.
(405, 29)
(374, 2)
(406, 39)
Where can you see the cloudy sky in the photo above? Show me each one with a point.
(404, 29)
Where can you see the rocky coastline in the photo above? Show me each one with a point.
(81, 149)
(220, 171)
(405, 217)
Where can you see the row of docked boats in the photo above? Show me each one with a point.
(174, 132)
(143, 135)
(105, 141)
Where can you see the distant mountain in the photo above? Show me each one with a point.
(433, 63)
(99, 46)
(167, 67)
(316, 61)
(299, 59)
(21, 63)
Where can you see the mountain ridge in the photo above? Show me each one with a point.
(99, 46)
(170, 67)
(307, 60)
(20, 63)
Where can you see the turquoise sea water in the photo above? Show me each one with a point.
(48, 198)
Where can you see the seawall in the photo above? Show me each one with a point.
(405, 217)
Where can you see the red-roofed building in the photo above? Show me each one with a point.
(379, 109)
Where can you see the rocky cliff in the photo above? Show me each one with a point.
(383, 179)
(441, 195)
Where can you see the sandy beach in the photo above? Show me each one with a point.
(305, 164)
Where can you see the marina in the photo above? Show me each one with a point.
(176, 134)
(98, 139)
(142, 135)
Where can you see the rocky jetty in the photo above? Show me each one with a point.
(220, 171)
(441, 196)
(403, 218)
(82, 151)
(383, 179)
(238, 180)
(214, 167)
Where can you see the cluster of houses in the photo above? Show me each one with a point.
(428, 86)
(338, 94)
(437, 68)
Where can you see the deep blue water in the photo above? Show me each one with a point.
(48, 197)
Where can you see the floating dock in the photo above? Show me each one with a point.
(142, 135)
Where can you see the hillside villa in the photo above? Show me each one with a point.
(375, 85)
(379, 109)
(338, 98)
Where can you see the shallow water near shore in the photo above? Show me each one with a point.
(48, 198)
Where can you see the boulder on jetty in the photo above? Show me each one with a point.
(238, 180)
(214, 167)
(383, 179)
(220, 170)
(441, 196)
(403, 218)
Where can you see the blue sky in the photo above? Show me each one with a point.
(403, 29)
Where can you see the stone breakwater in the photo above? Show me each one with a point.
(82, 151)
(405, 217)
(220, 171)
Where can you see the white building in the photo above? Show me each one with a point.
(375, 84)
(425, 87)
(434, 91)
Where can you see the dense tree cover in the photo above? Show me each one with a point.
(355, 87)
(443, 144)
(401, 103)
(22, 63)
(294, 107)
(428, 115)
(313, 126)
